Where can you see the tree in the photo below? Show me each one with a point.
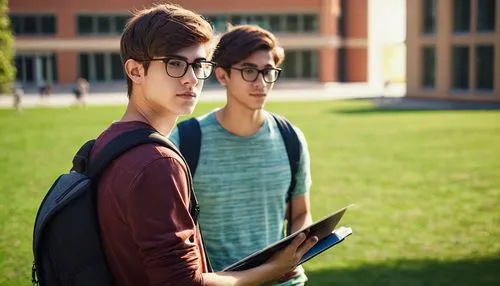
(7, 69)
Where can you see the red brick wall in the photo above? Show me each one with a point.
(67, 66)
(357, 29)
(357, 64)
(356, 25)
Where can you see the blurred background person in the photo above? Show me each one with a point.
(80, 90)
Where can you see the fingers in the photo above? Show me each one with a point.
(298, 241)
(307, 245)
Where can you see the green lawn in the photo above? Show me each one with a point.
(425, 184)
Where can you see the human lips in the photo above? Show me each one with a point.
(258, 94)
(188, 94)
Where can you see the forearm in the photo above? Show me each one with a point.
(255, 276)
(274, 269)
(301, 220)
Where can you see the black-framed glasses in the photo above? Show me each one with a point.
(177, 67)
(251, 74)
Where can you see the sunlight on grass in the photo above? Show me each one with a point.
(425, 186)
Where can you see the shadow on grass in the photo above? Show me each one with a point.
(410, 105)
(378, 110)
(413, 273)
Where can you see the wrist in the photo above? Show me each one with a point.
(263, 274)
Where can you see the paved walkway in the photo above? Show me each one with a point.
(299, 92)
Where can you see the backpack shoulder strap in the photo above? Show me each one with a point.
(121, 144)
(292, 145)
(81, 160)
(131, 139)
(190, 142)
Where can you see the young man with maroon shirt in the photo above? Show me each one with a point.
(149, 236)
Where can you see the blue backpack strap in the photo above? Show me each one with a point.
(292, 145)
(190, 142)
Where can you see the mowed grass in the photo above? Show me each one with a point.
(425, 184)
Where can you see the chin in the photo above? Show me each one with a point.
(257, 107)
(185, 111)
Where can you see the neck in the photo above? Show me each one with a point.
(139, 110)
(240, 120)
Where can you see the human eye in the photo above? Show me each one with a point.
(269, 71)
(249, 71)
(197, 65)
(176, 63)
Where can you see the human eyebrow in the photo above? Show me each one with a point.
(186, 59)
(268, 66)
(199, 59)
(176, 57)
(248, 65)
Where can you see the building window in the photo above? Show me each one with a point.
(104, 25)
(235, 20)
(18, 62)
(84, 66)
(30, 25)
(247, 19)
(461, 16)
(15, 22)
(36, 69)
(292, 23)
(300, 65)
(260, 21)
(289, 23)
(120, 22)
(101, 67)
(310, 23)
(48, 68)
(33, 25)
(30, 69)
(85, 25)
(48, 25)
(486, 15)
(275, 23)
(101, 24)
(117, 72)
(219, 23)
(290, 65)
(460, 67)
(485, 58)
(429, 16)
(428, 70)
(342, 64)
(309, 64)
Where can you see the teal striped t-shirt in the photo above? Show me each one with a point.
(241, 184)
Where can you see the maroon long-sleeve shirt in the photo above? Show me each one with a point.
(148, 234)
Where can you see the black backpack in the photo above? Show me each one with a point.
(190, 144)
(66, 239)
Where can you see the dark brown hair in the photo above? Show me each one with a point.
(241, 41)
(161, 30)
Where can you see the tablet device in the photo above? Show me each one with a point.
(322, 229)
(330, 240)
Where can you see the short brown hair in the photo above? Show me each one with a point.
(241, 41)
(159, 31)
